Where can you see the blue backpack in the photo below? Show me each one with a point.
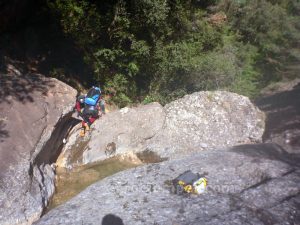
(93, 96)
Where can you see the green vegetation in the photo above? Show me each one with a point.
(159, 50)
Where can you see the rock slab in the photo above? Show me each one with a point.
(247, 184)
(200, 121)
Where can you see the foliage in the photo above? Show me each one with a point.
(120, 86)
(271, 26)
(163, 49)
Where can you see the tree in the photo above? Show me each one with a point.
(163, 49)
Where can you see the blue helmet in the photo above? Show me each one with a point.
(98, 89)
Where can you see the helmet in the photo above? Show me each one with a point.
(97, 88)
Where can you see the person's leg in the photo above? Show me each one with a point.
(82, 129)
(86, 122)
(92, 120)
(89, 122)
(89, 117)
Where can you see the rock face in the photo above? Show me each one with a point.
(192, 121)
(183, 126)
(248, 184)
(127, 128)
(283, 115)
(34, 113)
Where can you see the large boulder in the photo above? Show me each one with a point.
(200, 121)
(208, 120)
(248, 184)
(128, 128)
(34, 117)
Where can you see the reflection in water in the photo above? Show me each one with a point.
(70, 182)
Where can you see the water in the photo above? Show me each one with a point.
(70, 182)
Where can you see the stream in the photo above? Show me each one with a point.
(71, 182)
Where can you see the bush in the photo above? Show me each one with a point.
(164, 49)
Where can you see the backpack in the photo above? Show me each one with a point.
(189, 182)
(93, 96)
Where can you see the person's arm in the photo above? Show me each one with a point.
(102, 104)
(77, 106)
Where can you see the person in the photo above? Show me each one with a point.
(89, 107)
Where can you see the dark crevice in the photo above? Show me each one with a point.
(287, 198)
(41, 174)
(30, 171)
(263, 181)
(263, 215)
(289, 172)
(54, 145)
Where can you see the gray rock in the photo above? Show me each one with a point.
(128, 128)
(248, 184)
(193, 120)
(181, 127)
(33, 114)
(283, 115)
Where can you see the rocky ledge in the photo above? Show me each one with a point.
(247, 184)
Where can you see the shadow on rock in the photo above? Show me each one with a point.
(111, 219)
(283, 111)
(268, 151)
(3, 133)
(21, 87)
(54, 145)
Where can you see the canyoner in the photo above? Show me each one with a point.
(90, 107)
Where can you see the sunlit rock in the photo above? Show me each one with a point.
(247, 184)
(34, 112)
(196, 122)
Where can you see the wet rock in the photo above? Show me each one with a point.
(247, 184)
(200, 121)
(31, 109)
